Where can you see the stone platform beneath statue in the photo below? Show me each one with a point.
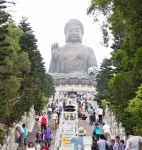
(74, 78)
(75, 88)
(75, 81)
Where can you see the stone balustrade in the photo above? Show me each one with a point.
(9, 142)
(116, 127)
(75, 88)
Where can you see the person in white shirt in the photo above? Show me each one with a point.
(91, 113)
(60, 105)
(49, 112)
(106, 131)
(20, 130)
(100, 114)
(102, 143)
(132, 141)
(54, 119)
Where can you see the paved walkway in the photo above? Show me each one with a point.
(85, 123)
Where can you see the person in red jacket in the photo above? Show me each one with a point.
(44, 146)
(43, 122)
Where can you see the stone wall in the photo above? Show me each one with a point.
(10, 139)
(116, 127)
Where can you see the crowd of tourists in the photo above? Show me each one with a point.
(101, 132)
(47, 123)
(131, 142)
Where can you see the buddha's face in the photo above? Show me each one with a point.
(73, 33)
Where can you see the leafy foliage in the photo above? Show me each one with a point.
(135, 108)
(10, 71)
(23, 78)
(4, 16)
(104, 75)
(124, 21)
(2, 132)
(38, 84)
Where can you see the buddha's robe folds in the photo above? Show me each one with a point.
(72, 60)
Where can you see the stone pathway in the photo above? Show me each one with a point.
(85, 123)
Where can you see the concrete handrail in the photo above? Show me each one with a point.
(10, 139)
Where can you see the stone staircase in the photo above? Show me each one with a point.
(67, 129)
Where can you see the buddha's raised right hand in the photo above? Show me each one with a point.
(55, 47)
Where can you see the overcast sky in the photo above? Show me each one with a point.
(48, 17)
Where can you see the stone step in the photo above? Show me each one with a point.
(68, 137)
(66, 127)
(67, 133)
(66, 148)
(67, 145)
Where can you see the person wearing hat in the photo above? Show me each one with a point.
(78, 139)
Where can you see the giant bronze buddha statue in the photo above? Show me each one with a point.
(73, 63)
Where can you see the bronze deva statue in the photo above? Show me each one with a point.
(73, 63)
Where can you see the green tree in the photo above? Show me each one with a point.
(124, 22)
(35, 83)
(135, 108)
(23, 78)
(104, 75)
(49, 85)
(4, 16)
(13, 62)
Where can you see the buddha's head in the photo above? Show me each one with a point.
(74, 31)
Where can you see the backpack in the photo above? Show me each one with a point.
(107, 147)
(43, 120)
(97, 130)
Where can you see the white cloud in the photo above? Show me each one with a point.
(48, 17)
